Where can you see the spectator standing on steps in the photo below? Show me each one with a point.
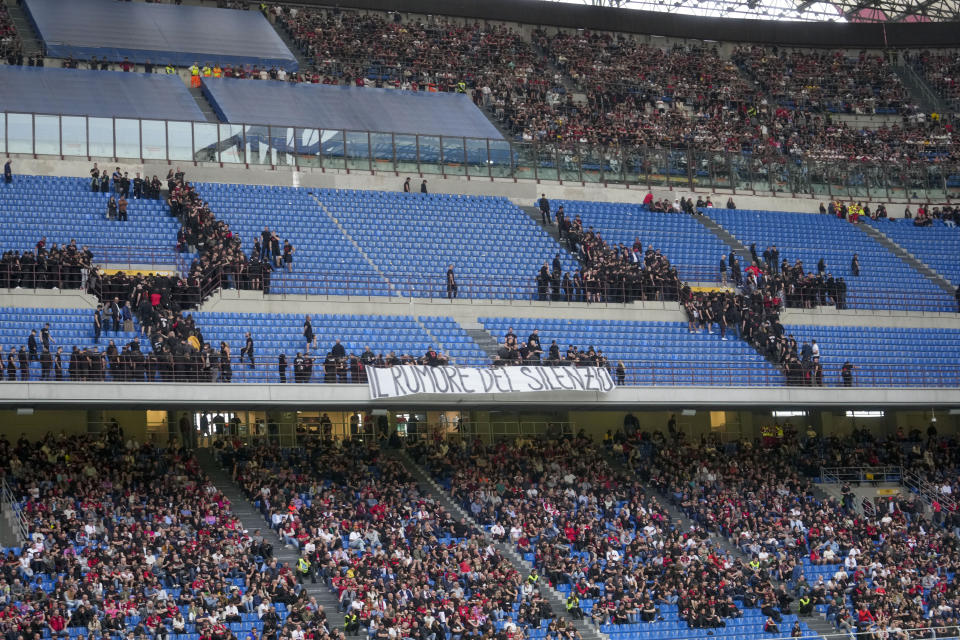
(423, 187)
(545, 209)
(451, 283)
(8, 172)
(406, 185)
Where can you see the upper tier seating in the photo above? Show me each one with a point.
(885, 282)
(887, 357)
(323, 262)
(653, 353)
(691, 248)
(282, 333)
(63, 209)
(937, 246)
(825, 80)
(495, 248)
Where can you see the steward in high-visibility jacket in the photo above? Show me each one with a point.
(170, 70)
(573, 607)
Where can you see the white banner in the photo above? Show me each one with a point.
(407, 380)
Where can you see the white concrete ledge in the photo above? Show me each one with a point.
(252, 396)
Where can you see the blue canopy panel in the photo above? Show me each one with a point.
(161, 33)
(102, 94)
(341, 108)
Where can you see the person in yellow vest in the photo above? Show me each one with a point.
(351, 624)
(194, 75)
(207, 71)
(303, 568)
(170, 70)
(217, 71)
(461, 87)
(755, 564)
(534, 577)
(573, 607)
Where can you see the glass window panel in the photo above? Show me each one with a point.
(592, 163)
(453, 156)
(20, 133)
(283, 146)
(308, 147)
(501, 160)
(381, 150)
(230, 143)
(74, 135)
(258, 144)
(525, 160)
(3, 133)
(429, 154)
(477, 159)
(332, 146)
(406, 149)
(206, 142)
(179, 139)
(128, 138)
(47, 134)
(101, 137)
(546, 162)
(154, 139)
(358, 150)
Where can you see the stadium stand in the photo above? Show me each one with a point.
(831, 81)
(606, 543)
(65, 210)
(10, 45)
(941, 72)
(348, 508)
(102, 94)
(179, 35)
(899, 357)
(495, 248)
(691, 248)
(346, 108)
(936, 246)
(653, 353)
(885, 282)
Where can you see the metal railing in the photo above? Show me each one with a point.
(12, 512)
(166, 368)
(839, 475)
(926, 490)
(171, 141)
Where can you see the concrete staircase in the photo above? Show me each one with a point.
(28, 37)
(742, 252)
(927, 98)
(534, 213)
(252, 519)
(481, 336)
(557, 602)
(907, 257)
(294, 49)
(204, 104)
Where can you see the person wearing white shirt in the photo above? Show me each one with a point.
(356, 540)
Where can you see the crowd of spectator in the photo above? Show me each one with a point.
(11, 48)
(512, 351)
(128, 539)
(53, 267)
(890, 558)
(400, 564)
(825, 81)
(942, 72)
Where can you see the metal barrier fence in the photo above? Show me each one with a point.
(667, 373)
(682, 168)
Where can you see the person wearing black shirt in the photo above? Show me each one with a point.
(46, 364)
(846, 374)
(12, 365)
(32, 346)
(138, 186)
(338, 351)
(544, 205)
(282, 367)
(451, 283)
(533, 341)
(308, 334)
(24, 364)
(247, 351)
(97, 323)
(45, 336)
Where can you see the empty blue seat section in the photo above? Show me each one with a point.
(654, 353)
(106, 94)
(937, 246)
(885, 281)
(283, 333)
(324, 261)
(161, 33)
(338, 108)
(64, 209)
(495, 248)
(690, 247)
(886, 356)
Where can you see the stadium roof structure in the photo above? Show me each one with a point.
(803, 10)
